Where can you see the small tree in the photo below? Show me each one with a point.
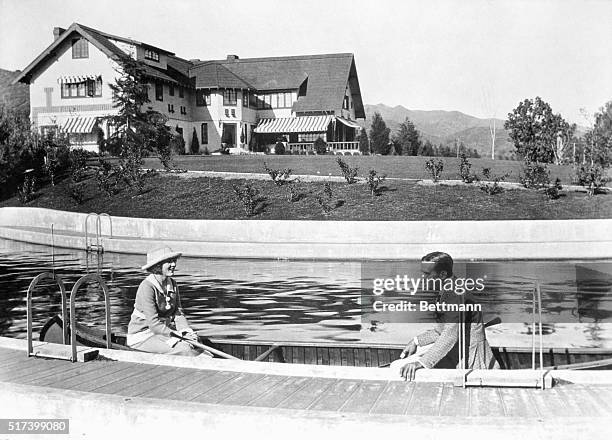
(364, 143)
(195, 143)
(349, 174)
(320, 146)
(379, 135)
(408, 139)
(435, 169)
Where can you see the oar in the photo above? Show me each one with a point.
(204, 347)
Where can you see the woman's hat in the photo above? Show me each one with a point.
(160, 255)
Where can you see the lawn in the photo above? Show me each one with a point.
(409, 167)
(179, 196)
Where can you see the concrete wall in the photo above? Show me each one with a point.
(350, 240)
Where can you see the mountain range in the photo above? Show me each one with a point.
(444, 127)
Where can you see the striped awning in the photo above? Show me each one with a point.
(300, 124)
(75, 79)
(348, 123)
(78, 125)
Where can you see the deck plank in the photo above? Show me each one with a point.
(282, 391)
(486, 402)
(152, 380)
(550, 404)
(228, 388)
(52, 377)
(253, 391)
(82, 377)
(602, 396)
(187, 379)
(426, 399)
(394, 399)
(32, 366)
(205, 383)
(455, 401)
(517, 402)
(579, 401)
(335, 396)
(364, 398)
(136, 373)
(306, 395)
(6, 356)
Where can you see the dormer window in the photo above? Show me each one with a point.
(80, 48)
(151, 55)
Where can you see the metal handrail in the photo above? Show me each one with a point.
(98, 246)
(73, 335)
(33, 284)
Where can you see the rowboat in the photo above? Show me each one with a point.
(344, 353)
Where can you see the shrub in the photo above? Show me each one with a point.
(279, 148)
(435, 169)
(552, 191)
(325, 199)
(320, 146)
(293, 194)
(349, 173)
(27, 191)
(492, 187)
(247, 195)
(279, 177)
(464, 170)
(535, 175)
(374, 180)
(106, 177)
(78, 164)
(76, 192)
(592, 177)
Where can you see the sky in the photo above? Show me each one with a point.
(480, 57)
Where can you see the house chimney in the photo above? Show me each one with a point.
(233, 58)
(57, 31)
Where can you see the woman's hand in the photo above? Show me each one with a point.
(410, 349)
(189, 334)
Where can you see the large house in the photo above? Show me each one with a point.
(298, 98)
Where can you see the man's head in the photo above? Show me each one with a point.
(438, 265)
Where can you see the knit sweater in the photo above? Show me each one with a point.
(151, 311)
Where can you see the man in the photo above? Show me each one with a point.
(444, 338)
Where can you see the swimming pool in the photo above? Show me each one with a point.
(284, 300)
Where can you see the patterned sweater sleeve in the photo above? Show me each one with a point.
(145, 302)
(443, 344)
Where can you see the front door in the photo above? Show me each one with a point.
(229, 135)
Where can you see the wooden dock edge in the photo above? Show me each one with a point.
(334, 372)
(94, 415)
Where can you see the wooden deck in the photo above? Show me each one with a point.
(374, 397)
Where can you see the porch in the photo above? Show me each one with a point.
(349, 148)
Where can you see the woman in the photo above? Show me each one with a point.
(157, 310)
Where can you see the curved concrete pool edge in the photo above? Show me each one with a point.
(303, 239)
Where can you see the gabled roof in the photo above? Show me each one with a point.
(214, 75)
(327, 77)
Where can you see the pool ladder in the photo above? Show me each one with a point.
(73, 354)
(98, 246)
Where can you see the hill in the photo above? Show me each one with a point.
(444, 127)
(14, 96)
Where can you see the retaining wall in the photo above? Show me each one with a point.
(290, 239)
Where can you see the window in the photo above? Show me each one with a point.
(183, 110)
(80, 48)
(229, 97)
(245, 99)
(159, 91)
(204, 134)
(151, 55)
(233, 113)
(170, 108)
(83, 89)
(181, 92)
(288, 102)
(171, 90)
(202, 98)
(345, 104)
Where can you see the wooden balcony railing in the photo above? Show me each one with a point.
(332, 147)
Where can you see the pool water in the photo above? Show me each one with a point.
(280, 300)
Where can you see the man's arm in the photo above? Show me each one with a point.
(442, 346)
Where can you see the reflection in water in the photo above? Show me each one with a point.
(307, 300)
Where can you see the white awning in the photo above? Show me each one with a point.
(78, 125)
(300, 124)
(348, 123)
(75, 79)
